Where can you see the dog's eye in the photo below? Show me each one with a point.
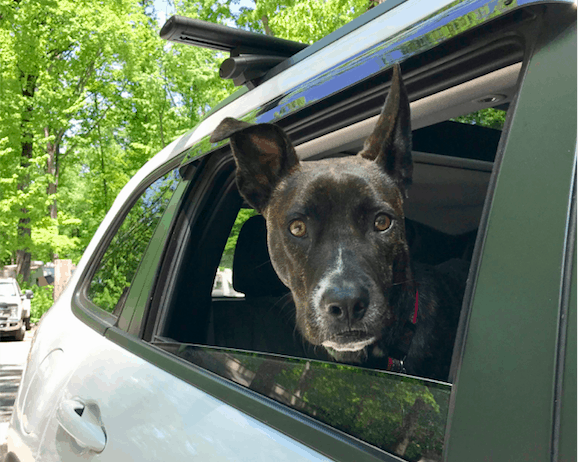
(297, 228)
(382, 222)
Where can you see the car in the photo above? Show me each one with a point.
(14, 309)
(138, 360)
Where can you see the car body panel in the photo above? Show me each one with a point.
(504, 388)
(128, 390)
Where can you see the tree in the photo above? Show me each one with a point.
(89, 93)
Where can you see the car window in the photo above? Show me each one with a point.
(250, 335)
(118, 265)
(223, 284)
(228, 312)
(7, 289)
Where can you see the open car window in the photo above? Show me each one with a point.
(232, 316)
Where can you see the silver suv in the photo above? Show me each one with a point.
(142, 359)
(14, 309)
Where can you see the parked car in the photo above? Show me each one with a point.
(14, 309)
(138, 361)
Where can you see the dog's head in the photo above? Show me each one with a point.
(335, 227)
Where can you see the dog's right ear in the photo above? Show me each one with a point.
(389, 145)
(264, 155)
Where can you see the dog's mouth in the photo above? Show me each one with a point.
(349, 341)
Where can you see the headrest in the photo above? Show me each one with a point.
(253, 273)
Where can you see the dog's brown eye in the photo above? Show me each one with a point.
(297, 228)
(382, 222)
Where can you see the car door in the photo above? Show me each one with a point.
(114, 405)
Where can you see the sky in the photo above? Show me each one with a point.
(165, 10)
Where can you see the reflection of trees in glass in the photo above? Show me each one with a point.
(399, 414)
(119, 263)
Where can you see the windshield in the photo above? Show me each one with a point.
(7, 289)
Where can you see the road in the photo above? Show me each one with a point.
(12, 360)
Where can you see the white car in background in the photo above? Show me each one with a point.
(14, 309)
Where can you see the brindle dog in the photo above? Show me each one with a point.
(337, 240)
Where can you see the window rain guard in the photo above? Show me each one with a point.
(397, 413)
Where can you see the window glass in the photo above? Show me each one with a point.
(490, 118)
(7, 289)
(119, 264)
(223, 284)
(399, 414)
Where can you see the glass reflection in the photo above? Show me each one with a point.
(111, 281)
(399, 414)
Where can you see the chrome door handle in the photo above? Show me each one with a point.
(82, 422)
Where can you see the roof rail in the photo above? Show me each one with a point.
(251, 55)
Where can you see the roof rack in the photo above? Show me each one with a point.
(251, 55)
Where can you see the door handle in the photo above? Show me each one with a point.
(82, 422)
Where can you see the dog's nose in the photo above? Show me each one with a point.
(345, 304)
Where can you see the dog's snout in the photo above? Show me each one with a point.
(345, 304)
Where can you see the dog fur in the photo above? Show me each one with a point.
(336, 237)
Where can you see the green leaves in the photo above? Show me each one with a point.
(89, 93)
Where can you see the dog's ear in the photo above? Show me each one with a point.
(264, 155)
(390, 142)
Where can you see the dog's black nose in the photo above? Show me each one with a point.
(345, 304)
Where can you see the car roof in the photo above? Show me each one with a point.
(336, 62)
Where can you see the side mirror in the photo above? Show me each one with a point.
(29, 294)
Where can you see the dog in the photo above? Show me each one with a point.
(336, 238)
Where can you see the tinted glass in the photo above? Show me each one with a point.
(399, 414)
(120, 262)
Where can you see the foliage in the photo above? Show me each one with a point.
(491, 118)
(41, 302)
(305, 21)
(229, 252)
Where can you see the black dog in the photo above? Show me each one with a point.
(336, 237)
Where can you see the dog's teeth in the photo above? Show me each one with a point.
(353, 346)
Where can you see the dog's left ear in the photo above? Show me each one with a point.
(264, 155)
(389, 145)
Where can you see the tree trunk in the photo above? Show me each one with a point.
(161, 129)
(409, 427)
(52, 168)
(23, 254)
(265, 21)
(102, 163)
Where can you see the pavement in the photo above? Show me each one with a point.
(13, 357)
